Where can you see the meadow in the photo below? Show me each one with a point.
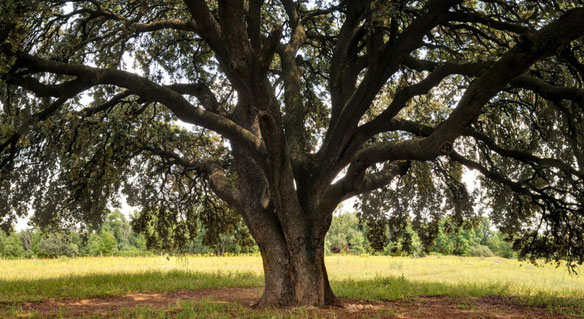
(359, 277)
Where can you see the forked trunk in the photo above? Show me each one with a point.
(293, 254)
(295, 275)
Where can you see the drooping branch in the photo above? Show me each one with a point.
(151, 91)
(531, 48)
(521, 156)
(63, 92)
(524, 157)
(210, 170)
(519, 187)
(357, 182)
(548, 91)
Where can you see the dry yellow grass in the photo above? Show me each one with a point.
(520, 278)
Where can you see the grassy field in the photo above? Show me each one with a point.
(361, 277)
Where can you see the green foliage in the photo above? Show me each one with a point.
(467, 240)
(116, 237)
(11, 246)
(103, 244)
(343, 234)
(501, 246)
(480, 251)
(357, 243)
(346, 235)
(202, 235)
(56, 245)
(479, 240)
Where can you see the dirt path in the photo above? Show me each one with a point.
(420, 307)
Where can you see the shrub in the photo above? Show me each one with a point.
(54, 246)
(481, 251)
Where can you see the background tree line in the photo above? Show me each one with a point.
(477, 239)
(116, 237)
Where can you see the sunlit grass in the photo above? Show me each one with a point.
(517, 278)
(30, 269)
(362, 277)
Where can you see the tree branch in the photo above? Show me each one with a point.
(438, 73)
(153, 92)
(484, 20)
(521, 156)
(387, 62)
(208, 28)
(202, 92)
(175, 24)
(531, 48)
(211, 170)
(357, 182)
(548, 91)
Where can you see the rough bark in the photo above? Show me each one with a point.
(295, 273)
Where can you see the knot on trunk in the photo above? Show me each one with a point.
(446, 148)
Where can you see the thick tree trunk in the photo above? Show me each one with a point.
(293, 254)
(295, 275)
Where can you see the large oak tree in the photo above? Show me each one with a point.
(283, 109)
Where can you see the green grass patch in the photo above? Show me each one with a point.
(101, 285)
(370, 278)
(181, 310)
(396, 288)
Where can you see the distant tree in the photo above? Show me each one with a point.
(26, 238)
(484, 231)
(500, 246)
(344, 233)
(11, 246)
(56, 245)
(36, 237)
(358, 243)
(108, 243)
(102, 244)
(138, 241)
(119, 226)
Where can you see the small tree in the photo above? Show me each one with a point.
(11, 246)
(56, 245)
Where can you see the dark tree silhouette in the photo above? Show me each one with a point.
(290, 107)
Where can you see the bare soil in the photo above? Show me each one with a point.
(419, 307)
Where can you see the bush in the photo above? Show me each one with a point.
(55, 246)
(481, 251)
(11, 246)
